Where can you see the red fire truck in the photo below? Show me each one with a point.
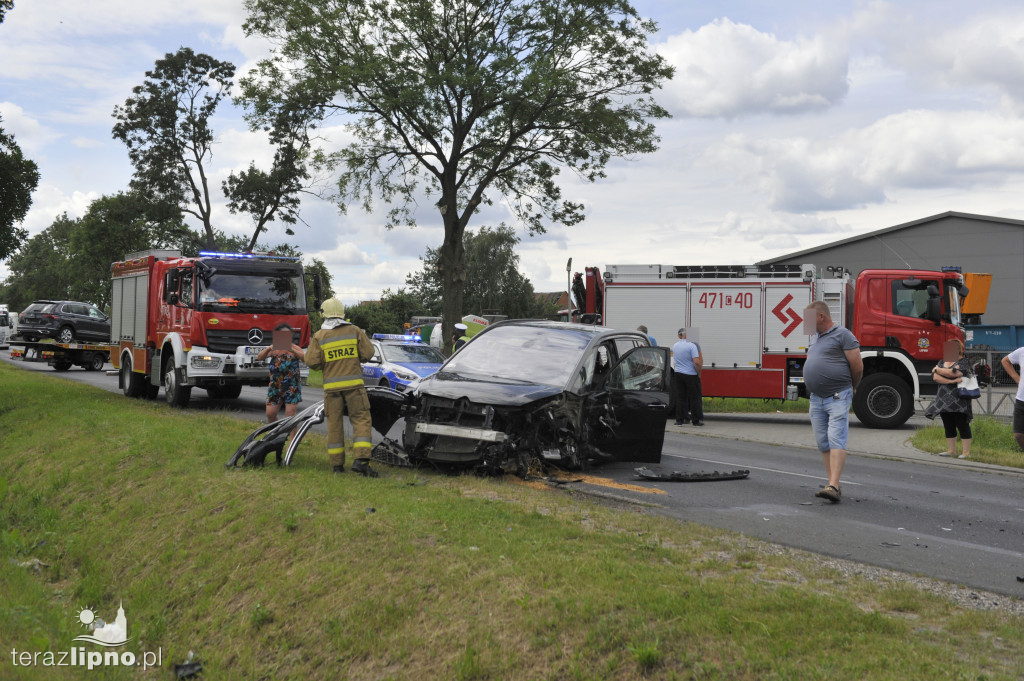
(748, 321)
(199, 322)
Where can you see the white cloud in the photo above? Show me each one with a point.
(29, 133)
(345, 254)
(728, 69)
(912, 149)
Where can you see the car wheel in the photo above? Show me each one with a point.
(384, 383)
(570, 451)
(66, 335)
(177, 394)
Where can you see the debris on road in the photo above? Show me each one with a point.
(675, 476)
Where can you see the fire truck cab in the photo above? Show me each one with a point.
(185, 323)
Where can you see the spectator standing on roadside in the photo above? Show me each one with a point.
(955, 411)
(643, 329)
(832, 371)
(1016, 357)
(686, 365)
(285, 380)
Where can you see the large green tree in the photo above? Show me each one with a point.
(113, 227)
(494, 284)
(387, 315)
(166, 126)
(19, 177)
(467, 101)
(41, 268)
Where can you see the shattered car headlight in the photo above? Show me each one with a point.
(404, 375)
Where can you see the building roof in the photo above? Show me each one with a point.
(886, 230)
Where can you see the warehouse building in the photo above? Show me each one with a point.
(977, 243)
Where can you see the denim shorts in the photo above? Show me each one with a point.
(830, 418)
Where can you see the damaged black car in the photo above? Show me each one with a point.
(522, 393)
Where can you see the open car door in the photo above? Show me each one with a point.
(627, 417)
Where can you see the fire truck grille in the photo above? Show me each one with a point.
(223, 340)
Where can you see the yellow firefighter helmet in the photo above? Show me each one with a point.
(332, 307)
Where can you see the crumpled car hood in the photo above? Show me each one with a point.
(485, 389)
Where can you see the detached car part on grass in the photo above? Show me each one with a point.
(272, 437)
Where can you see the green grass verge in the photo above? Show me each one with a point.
(300, 574)
(991, 442)
(738, 405)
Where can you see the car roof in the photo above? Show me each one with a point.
(599, 332)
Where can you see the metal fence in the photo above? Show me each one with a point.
(998, 390)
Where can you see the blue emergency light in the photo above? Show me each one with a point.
(215, 254)
(395, 336)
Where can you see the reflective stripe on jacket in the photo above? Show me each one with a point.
(338, 353)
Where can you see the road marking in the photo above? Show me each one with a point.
(770, 470)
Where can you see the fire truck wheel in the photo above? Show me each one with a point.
(883, 401)
(61, 365)
(66, 335)
(177, 394)
(131, 382)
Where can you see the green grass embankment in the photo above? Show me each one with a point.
(300, 574)
(991, 442)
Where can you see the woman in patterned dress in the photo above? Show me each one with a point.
(285, 379)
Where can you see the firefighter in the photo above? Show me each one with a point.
(338, 348)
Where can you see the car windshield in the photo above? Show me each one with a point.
(408, 353)
(267, 293)
(542, 355)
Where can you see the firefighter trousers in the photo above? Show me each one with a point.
(355, 402)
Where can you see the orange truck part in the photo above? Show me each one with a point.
(977, 300)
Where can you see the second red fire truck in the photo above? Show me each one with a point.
(748, 321)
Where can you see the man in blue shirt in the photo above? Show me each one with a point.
(643, 329)
(832, 370)
(687, 365)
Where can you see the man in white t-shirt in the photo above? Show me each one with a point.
(1016, 357)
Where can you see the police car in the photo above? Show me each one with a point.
(398, 360)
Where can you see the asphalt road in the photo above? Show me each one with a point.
(961, 522)
(955, 523)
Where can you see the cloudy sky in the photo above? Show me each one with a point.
(794, 124)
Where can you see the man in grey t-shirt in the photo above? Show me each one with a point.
(832, 370)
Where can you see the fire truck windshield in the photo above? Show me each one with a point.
(279, 293)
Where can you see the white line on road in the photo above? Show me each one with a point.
(770, 470)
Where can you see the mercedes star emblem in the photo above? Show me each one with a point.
(255, 336)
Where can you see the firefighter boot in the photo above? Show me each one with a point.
(362, 466)
(338, 469)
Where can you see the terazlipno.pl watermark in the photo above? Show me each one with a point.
(107, 634)
(90, 659)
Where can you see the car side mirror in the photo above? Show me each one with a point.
(933, 310)
(373, 360)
